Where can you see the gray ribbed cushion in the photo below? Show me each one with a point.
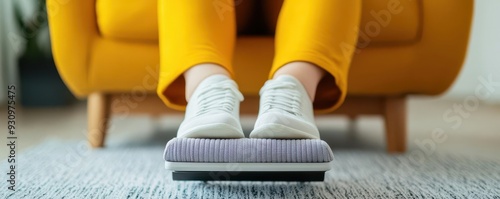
(247, 150)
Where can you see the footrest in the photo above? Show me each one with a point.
(248, 159)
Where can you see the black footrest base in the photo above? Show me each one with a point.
(298, 176)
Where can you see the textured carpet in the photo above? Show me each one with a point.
(57, 169)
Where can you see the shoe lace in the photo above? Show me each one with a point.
(282, 96)
(219, 96)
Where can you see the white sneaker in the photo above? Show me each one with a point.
(285, 111)
(213, 110)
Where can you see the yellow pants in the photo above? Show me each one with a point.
(316, 31)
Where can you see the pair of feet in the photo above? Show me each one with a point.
(213, 111)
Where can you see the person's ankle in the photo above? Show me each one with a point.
(196, 74)
(308, 74)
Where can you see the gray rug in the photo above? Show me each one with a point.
(57, 169)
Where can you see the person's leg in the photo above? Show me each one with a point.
(196, 47)
(315, 41)
(196, 74)
(307, 73)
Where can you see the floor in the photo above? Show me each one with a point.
(477, 133)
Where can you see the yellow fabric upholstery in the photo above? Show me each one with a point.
(114, 23)
(401, 26)
(73, 28)
(125, 70)
(138, 19)
(378, 24)
(127, 19)
(93, 61)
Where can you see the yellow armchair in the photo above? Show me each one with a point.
(108, 50)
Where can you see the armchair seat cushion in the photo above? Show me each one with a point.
(138, 19)
(383, 21)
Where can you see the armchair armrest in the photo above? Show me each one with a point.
(444, 42)
(73, 27)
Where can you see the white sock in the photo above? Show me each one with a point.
(213, 110)
(285, 111)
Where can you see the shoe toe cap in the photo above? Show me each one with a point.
(220, 125)
(276, 125)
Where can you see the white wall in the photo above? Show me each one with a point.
(483, 58)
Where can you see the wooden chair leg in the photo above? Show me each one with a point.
(98, 114)
(395, 124)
